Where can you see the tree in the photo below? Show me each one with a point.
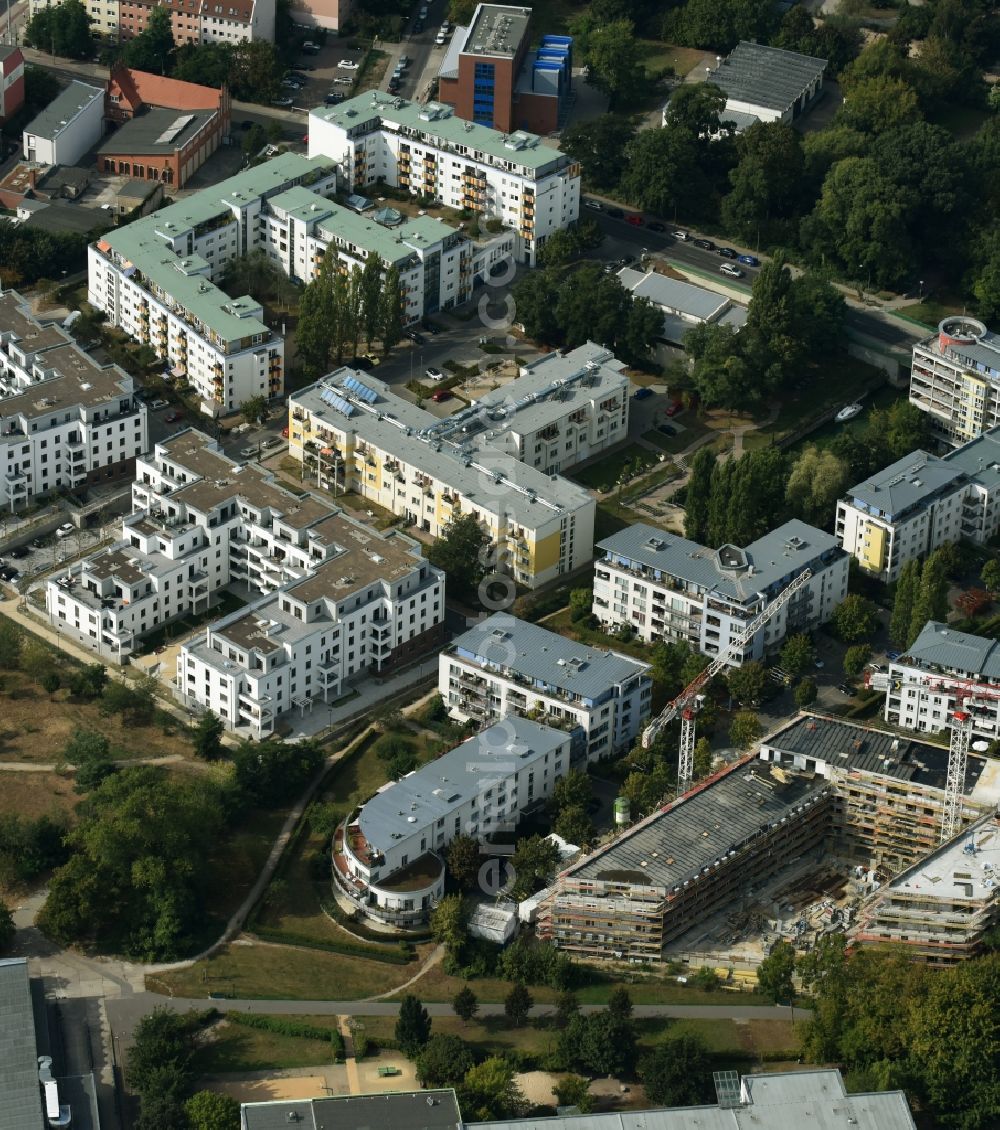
(620, 1004)
(206, 736)
(161, 1040)
(90, 752)
(89, 682)
(465, 1004)
(574, 825)
(443, 1061)
(745, 729)
(575, 789)
(268, 773)
(371, 297)
(567, 1006)
(390, 322)
(599, 146)
(931, 601)
(7, 928)
(599, 1043)
(805, 693)
(254, 410)
(574, 1090)
(905, 597)
(854, 619)
(766, 182)
(797, 655)
(461, 553)
(450, 924)
(209, 1110)
(63, 31)
(817, 480)
(533, 861)
(413, 1026)
(615, 64)
(718, 25)
(11, 644)
(699, 488)
(774, 975)
(746, 684)
(677, 1072)
(153, 48)
(465, 861)
(517, 1004)
(991, 575)
(703, 758)
(489, 1091)
(856, 659)
(580, 604)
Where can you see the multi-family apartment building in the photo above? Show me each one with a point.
(156, 279)
(200, 522)
(387, 854)
(499, 459)
(668, 588)
(530, 187)
(942, 671)
(192, 21)
(955, 379)
(438, 265)
(65, 421)
(921, 502)
(505, 666)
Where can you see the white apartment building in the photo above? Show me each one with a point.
(507, 667)
(156, 279)
(669, 588)
(65, 421)
(438, 264)
(72, 123)
(939, 674)
(372, 603)
(236, 21)
(387, 854)
(921, 502)
(499, 459)
(515, 178)
(200, 522)
(955, 379)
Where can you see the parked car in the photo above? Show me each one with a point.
(284, 432)
(246, 124)
(404, 61)
(846, 688)
(283, 102)
(731, 271)
(876, 668)
(173, 417)
(158, 404)
(360, 363)
(38, 543)
(440, 39)
(595, 204)
(271, 441)
(248, 452)
(291, 84)
(634, 220)
(19, 551)
(310, 48)
(348, 65)
(434, 375)
(674, 408)
(682, 236)
(343, 81)
(642, 394)
(704, 244)
(441, 394)
(655, 225)
(418, 25)
(892, 656)
(615, 213)
(728, 252)
(8, 573)
(392, 86)
(333, 98)
(750, 260)
(65, 530)
(417, 339)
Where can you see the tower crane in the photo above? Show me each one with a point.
(961, 732)
(686, 703)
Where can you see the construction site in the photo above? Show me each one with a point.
(805, 837)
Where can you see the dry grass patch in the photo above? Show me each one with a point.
(30, 795)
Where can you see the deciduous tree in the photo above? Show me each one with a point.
(206, 736)
(443, 1061)
(464, 861)
(517, 1004)
(210, 1110)
(856, 659)
(775, 972)
(465, 1004)
(677, 1072)
(461, 552)
(854, 619)
(746, 684)
(745, 729)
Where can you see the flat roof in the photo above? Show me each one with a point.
(22, 1097)
(980, 353)
(674, 294)
(435, 790)
(438, 124)
(497, 30)
(57, 216)
(546, 657)
(73, 379)
(939, 645)
(399, 1110)
(847, 745)
(139, 189)
(787, 1100)
(143, 133)
(766, 76)
(740, 574)
(29, 335)
(967, 867)
(673, 846)
(61, 111)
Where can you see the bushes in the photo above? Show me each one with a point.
(283, 1026)
(394, 956)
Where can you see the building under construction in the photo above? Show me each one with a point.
(940, 907)
(861, 794)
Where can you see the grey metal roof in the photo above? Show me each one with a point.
(846, 745)
(674, 846)
(674, 295)
(979, 458)
(766, 76)
(141, 134)
(768, 563)
(545, 657)
(21, 1103)
(138, 189)
(941, 646)
(61, 111)
(440, 787)
(909, 482)
(398, 1110)
(981, 355)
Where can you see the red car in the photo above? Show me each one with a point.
(284, 432)
(674, 408)
(173, 417)
(635, 221)
(441, 394)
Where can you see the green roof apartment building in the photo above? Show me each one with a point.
(157, 278)
(516, 178)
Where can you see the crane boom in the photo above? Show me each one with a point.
(685, 703)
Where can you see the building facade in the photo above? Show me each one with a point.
(955, 379)
(505, 666)
(11, 82)
(515, 178)
(65, 421)
(67, 128)
(499, 459)
(387, 854)
(668, 588)
(156, 279)
(194, 22)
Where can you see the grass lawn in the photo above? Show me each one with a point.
(657, 56)
(235, 1047)
(690, 426)
(602, 474)
(929, 313)
(31, 795)
(488, 1035)
(822, 437)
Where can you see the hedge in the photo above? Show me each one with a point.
(393, 956)
(285, 1027)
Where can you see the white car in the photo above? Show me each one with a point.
(65, 530)
(248, 452)
(158, 404)
(348, 64)
(434, 375)
(440, 39)
(731, 271)
(680, 235)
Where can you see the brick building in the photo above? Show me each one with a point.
(167, 129)
(12, 85)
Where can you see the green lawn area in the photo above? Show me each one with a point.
(489, 1035)
(235, 1047)
(884, 397)
(689, 427)
(930, 312)
(657, 56)
(602, 474)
